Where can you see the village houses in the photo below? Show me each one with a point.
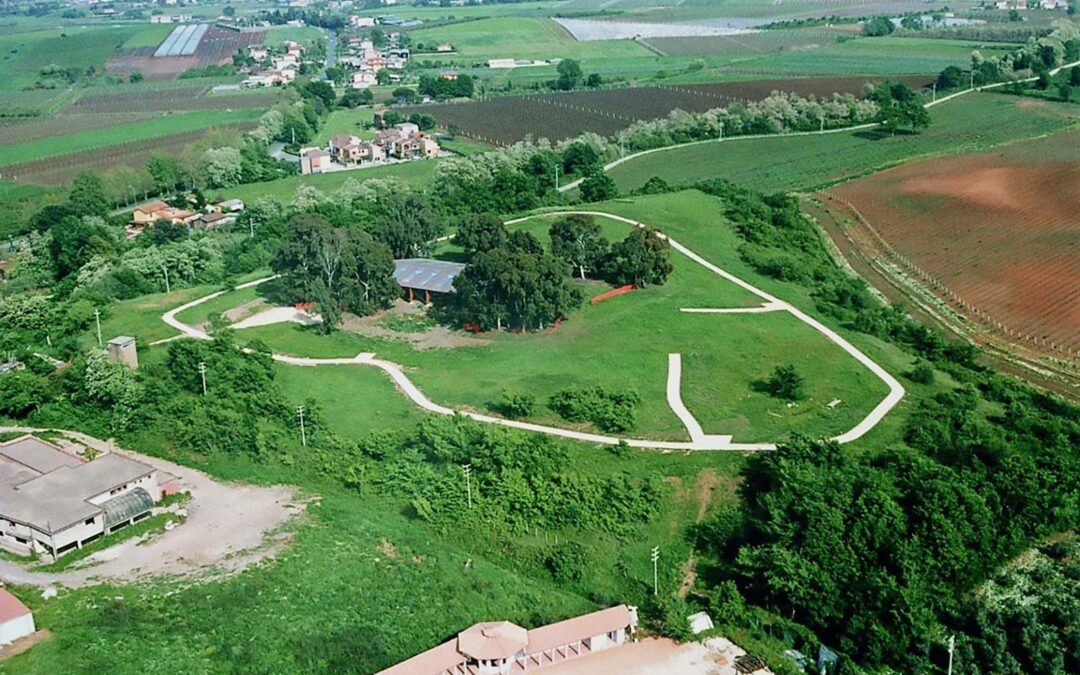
(402, 142)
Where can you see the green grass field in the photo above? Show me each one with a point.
(417, 173)
(623, 343)
(972, 122)
(346, 122)
(122, 133)
(521, 37)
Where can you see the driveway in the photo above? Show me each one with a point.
(229, 527)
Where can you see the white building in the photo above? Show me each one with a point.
(52, 501)
(363, 79)
(314, 160)
(16, 621)
(361, 21)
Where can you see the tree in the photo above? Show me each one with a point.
(87, 196)
(582, 157)
(168, 173)
(911, 22)
(598, 187)
(594, 80)
(165, 231)
(229, 11)
(1074, 76)
(320, 90)
(1065, 92)
(135, 76)
(899, 105)
(578, 240)
(481, 232)
(75, 241)
(223, 166)
(878, 26)
(406, 224)
(570, 74)
(950, 78)
(405, 95)
(642, 258)
(22, 393)
(357, 97)
(786, 383)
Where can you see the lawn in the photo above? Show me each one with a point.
(279, 35)
(624, 342)
(346, 122)
(418, 173)
(149, 36)
(520, 37)
(972, 122)
(122, 133)
(23, 54)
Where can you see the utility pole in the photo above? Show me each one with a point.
(721, 129)
(556, 177)
(303, 432)
(467, 468)
(952, 648)
(972, 79)
(202, 372)
(655, 558)
(165, 269)
(251, 228)
(935, 90)
(97, 320)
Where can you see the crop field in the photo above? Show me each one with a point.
(14, 131)
(762, 42)
(998, 230)
(723, 355)
(132, 133)
(59, 170)
(215, 48)
(520, 37)
(169, 100)
(782, 163)
(506, 120)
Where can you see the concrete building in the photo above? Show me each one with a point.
(16, 621)
(122, 350)
(502, 648)
(314, 160)
(52, 501)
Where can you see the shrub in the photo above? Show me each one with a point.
(609, 410)
(785, 383)
(516, 406)
(922, 373)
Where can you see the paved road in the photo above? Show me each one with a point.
(331, 51)
(698, 439)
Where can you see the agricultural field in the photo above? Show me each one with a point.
(970, 123)
(215, 48)
(718, 382)
(997, 230)
(15, 130)
(556, 116)
(121, 134)
(752, 44)
(169, 100)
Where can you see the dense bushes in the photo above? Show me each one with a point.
(609, 410)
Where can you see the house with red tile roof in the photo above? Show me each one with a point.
(16, 621)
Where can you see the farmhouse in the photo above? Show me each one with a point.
(151, 212)
(347, 149)
(52, 501)
(429, 276)
(406, 141)
(500, 647)
(364, 78)
(314, 160)
(16, 621)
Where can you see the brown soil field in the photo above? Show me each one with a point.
(998, 233)
(216, 48)
(190, 98)
(556, 116)
(60, 170)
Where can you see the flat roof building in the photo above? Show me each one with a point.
(52, 501)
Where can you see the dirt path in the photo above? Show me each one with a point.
(229, 527)
(705, 488)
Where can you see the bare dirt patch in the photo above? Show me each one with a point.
(436, 337)
(216, 48)
(24, 643)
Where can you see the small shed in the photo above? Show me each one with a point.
(16, 621)
(424, 274)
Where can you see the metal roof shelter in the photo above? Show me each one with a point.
(423, 274)
(127, 506)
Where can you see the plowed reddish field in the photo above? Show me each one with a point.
(1000, 230)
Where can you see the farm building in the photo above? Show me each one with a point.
(52, 501)
(429, 276)
(500, 647)
(16, 621)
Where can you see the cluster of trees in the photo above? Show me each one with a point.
(779, 112)
(1037, 57)
(609, 410)
(338, 268)
(571, 76)
(441, 88)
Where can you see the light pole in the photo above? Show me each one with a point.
(202, 373)
(165, 269)
(655, 581)
(467, 468)
(303, 432)
(97, 320)
(952, 648)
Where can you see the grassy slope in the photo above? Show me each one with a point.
(624, 342)
(346, 122)
(121, 133)
(973, 122)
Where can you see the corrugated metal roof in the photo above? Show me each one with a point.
(126, 506)
(423, 274)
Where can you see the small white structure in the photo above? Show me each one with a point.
(16, 621)
(122, 350)
(699, 623)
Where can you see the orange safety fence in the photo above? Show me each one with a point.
(612, 293)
